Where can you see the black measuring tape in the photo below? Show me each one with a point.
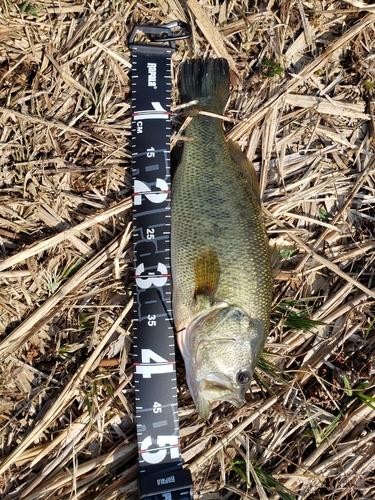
(161, 473)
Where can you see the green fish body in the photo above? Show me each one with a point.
(220, 256)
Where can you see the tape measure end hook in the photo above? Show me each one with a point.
(165, 33)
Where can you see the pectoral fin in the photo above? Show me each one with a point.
(207, 273)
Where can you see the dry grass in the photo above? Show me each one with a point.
(302, 107)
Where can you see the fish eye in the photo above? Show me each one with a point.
(243, 377)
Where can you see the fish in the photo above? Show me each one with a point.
(221, 267)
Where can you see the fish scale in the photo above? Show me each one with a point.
(216, 213)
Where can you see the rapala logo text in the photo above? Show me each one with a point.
(166, 480)
(151, 77)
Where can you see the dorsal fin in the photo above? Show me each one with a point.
(244, 168)
(207, 273)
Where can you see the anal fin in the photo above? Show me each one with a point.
(244, 168)
(275, 262)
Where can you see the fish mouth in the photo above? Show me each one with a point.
(216, 387)
(216, 380)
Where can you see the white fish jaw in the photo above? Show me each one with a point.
(216, 387)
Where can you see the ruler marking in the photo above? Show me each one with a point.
(162, 423)
(155, 383)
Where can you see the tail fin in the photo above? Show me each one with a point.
(206, 81)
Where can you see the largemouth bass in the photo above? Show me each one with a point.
(220, 256)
